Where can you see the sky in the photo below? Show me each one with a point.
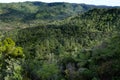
(95, 2)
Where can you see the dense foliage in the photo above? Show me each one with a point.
(10, 60)
(28, 14)
(80, 47)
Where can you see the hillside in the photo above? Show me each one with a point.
(84, 47)
(28, 14)
(40, 10)
(59, 41)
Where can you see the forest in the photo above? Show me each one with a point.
(59, 41)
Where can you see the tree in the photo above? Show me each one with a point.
(10, 57)
(48, 71)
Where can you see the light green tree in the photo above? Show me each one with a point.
(10, 57)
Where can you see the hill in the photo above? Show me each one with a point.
(28, 14)
(40, 10)
(83, 47)
(59, 41)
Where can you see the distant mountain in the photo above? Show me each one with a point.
(23, 11)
